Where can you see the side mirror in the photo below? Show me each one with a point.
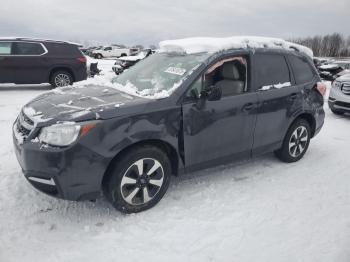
(213, 93)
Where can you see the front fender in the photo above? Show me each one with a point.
(112, 136)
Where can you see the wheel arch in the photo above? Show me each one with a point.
(166, 147)
(310, 119)
(61, 68)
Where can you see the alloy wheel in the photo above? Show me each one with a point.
(62, 80)
(142, 181)
(298, 141)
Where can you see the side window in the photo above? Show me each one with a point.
(5, 48)
(195, 90)
(230, 75)
(108, 49)
(28, 49)
(303, 72)
(271, 70)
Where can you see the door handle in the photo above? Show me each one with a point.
(247, 107)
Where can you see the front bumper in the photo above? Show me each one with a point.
(339, 101)
(72, 173)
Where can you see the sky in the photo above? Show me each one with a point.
(147, 22)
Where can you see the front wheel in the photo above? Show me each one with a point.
(139, 179)
(296, 142)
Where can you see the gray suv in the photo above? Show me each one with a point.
(223, 106)
(36, 61)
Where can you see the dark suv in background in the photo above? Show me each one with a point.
(36, 61)
(222, 106)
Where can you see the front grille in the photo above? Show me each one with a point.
(342, 104)
(24, 125)
(346, 88)
(22, 129)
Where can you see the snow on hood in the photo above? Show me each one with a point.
(133, 58)
(80, 103)
(213, 45)
(329, 66)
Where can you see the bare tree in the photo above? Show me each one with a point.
(331, 45)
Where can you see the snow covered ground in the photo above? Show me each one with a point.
(257, 210)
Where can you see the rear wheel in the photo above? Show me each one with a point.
(296, 142)
(139, 180)
(61, 78)
(98, 56)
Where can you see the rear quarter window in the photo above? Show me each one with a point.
(270, 69)
(28, 49)
(302, 70)
(65, 50)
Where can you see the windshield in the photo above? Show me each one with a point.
(160, 74)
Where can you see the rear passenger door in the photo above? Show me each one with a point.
(30, 62)
(279, 100)
(6, 64)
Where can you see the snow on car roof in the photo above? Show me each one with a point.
(213, 45)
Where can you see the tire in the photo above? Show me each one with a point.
(122, 55)
(336, 112)
(296, 142)
(61, 78)
(129, 192)
(98, 56)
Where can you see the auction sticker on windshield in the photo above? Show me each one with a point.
(175, 71)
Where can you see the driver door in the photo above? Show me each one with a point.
(219, 131)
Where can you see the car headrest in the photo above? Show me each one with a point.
(230, 71)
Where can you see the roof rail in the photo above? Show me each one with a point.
(38, 39)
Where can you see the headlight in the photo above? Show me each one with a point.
(64, 134)
(60, 134)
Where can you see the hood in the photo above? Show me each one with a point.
(89, 102)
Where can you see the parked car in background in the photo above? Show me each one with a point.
(36, 61)
(345, 64)
(329, 72)
(339, 96)
(125, 62)
(113, 51)
(171, 113)
(318, 61)
(90, 49)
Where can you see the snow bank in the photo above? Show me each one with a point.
(212, 45)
